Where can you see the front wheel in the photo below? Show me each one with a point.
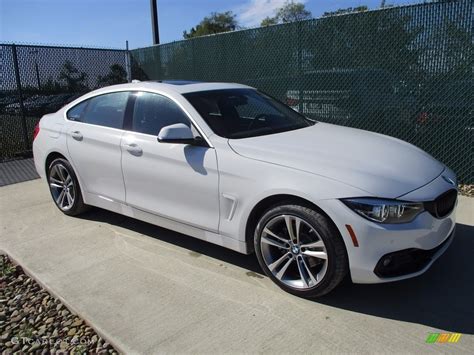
(64, 187)
(300, 250)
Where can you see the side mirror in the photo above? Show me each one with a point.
(178, 133)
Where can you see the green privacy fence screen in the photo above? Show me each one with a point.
(406, 72)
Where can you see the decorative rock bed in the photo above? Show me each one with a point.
(466, 190)
(33, 321)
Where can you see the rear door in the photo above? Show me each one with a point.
(93, 140)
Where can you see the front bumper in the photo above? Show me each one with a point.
(409, 261)
(413, 247)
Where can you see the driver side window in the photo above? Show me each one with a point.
(152, 112)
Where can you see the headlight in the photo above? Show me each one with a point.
(385, 211)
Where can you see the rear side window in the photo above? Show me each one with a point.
(105, 110)
(76, 112)
(152, 112)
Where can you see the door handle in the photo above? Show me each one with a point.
(133, 149)
(77, 135)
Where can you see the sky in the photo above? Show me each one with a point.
(109, 23)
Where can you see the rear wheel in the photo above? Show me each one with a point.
(64, 187)
(300, 250)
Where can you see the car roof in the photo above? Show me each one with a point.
(180, 86)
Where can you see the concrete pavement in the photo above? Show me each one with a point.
(149, 290)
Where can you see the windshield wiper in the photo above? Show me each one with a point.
(254, 133)
(265, 131)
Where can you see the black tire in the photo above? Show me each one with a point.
(337, 263)
(78, 206)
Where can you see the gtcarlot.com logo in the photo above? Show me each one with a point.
(443, 338)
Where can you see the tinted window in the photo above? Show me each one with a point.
(240, 113)
(106, 110)
(152, 112)
(75, 113)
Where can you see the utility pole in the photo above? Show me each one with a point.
(154, 21)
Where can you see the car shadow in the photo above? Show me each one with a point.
(441, 298)
(194, 245)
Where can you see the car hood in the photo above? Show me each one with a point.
(380, 165)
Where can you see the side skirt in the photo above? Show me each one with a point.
(211, 237)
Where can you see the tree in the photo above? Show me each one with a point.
(268, 21)
(51, 86)
(291, 11)
(73, 78)
(217, 22)
(116, 75)
(348, 10)
(137, 71)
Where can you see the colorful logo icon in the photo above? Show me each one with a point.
(443, 338)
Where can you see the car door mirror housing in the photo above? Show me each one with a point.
(178, 133)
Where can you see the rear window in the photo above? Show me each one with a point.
(106, 110)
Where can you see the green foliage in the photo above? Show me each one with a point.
(137, 72)
(116, 75)
(268, 21)
(291, 11)
(73, 79)
(217, 22)
(348, 10)
(51, 86)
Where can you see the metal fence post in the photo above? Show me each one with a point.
(128, 63)
(20, 98)
(300, 67)
(193, 56)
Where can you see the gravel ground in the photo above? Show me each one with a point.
(466, 190)
(33, 321)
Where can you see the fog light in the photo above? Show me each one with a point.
(387, 261)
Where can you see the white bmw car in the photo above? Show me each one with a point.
(230, 165)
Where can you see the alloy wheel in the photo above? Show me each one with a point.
(294, 252)
(62, 187)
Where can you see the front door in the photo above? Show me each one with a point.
(176, 181)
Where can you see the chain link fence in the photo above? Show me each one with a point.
(405, 72)
(36, 80)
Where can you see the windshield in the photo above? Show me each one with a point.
(242, 113)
